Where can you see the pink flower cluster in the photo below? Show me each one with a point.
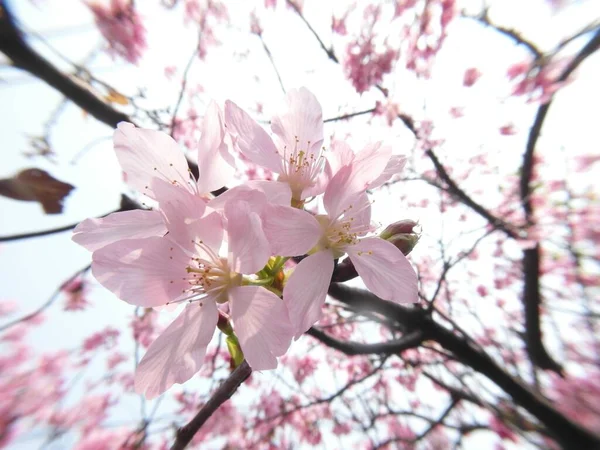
(224, 257)
(366, 63)
(122, 27)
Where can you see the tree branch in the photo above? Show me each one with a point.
(410, 340)
(508, 32)
(127, 204)
(531, 302)
(459, 194)
(329, 51)
(536, 128)
(222, 394)
(24, 57)
(48, 302)
(567, 432)
(531, 258)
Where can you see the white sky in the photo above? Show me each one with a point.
(31, 269)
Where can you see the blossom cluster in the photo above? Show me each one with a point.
(226, 257)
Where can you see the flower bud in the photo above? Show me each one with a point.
(402, 234)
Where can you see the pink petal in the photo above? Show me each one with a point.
(145, 272)
(183, 214)
(147, 154)
(394, 166)
(306, 290)
(253, 141)
(277, 193)
(177, 354)
(290, 231)
(177, 204)
(384, 270)
(96, 233)
(194, 236)
(340, 155)
(369, 164)
(341, 193)
(261, 323)
(248, 246)
(300, 122)
(244, 193)
(214, 171)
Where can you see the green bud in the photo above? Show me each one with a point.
(402, 234)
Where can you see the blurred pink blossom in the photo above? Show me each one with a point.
(121, 26)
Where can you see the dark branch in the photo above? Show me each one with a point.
(268, 52)
(329, 51)
(569, 433)
(48, 302)
(531, 258)
(222, 394)
(411, 340)
(13, 45)
(350, 115)
(531, 302)
(460, 195)
(534, 133)
(127, 204)
(16, 237)
(510, 33)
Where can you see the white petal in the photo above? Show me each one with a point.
(145, 272)
(177, 354)
(248, 246)
(261, 324)
(96, 233)
(147, 154)
(306, 290)
(253, 141)
(384, 270)
(300, 122)
(290, 231)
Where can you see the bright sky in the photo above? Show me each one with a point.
(31, 269)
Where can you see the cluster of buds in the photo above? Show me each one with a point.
(225, 258)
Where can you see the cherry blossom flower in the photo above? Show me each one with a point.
(295, 153)
(382, 266)
(147, 155)
(76, 292)
(187, 266)
(122, 27)
(471, 76)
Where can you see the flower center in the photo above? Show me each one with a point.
(209, 276)
(301, 168)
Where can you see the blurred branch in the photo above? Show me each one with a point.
(534, 133)
(411, 340)
(531, 301)
(13, 45)
(186, 71)
(484, 19)
(34, 234)
(350, 115)
(127, 204)
(48, 302)
(531, 259)
(329, 51)
(459, 194)
(268, 52)
(222, 394)
(569, 433)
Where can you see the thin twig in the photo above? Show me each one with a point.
(222, 394)
(268, 52)
(183, 85)
(48, 302)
